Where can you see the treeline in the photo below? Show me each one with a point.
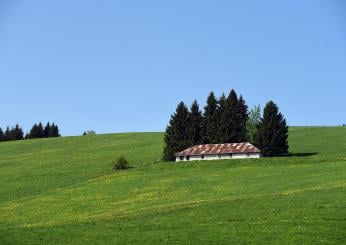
(37, 131)
(226, 120)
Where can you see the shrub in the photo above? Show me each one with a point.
(120, 164)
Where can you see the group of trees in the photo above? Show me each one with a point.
(37, 131)
(14, 133)
(226, 120)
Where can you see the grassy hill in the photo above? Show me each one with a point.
(63, 191)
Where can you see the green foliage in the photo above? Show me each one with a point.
(63, 192)
(89, 132)
(120, 164)
(253, 123)
(210, 121)
(272, 133)
(47, 130)
(177, 133)
(14, 133)
(195, 117)
(243, 116)
(38, 131)
(2, 135)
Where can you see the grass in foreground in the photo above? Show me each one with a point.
(64, 191)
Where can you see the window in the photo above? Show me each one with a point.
(219, 155)
(187, 158)
(202, 157)
(181, 158)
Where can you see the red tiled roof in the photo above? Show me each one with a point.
(215, 149)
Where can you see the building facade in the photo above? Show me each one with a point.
(218, 152)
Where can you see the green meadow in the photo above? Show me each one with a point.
(63, 191)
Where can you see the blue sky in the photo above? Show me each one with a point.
(116, 66)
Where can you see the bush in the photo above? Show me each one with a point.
(120, 164)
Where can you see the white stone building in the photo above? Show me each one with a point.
(218, 151)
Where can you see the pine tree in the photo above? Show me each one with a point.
(8, 134)
(33, 132)
(40, 130)
(229, 125)
(253, 123)
(195, 117)
(2, 135)
(220, 118)
(177, 133)
(47, 130)
(243, 116)
(54, 131)
(272, 134)
(17, 133)
(210, 121)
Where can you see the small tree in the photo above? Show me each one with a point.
(253, 122)
(120, 164)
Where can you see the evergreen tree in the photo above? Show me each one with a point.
(54, 131)
(177, 133)
(253, 123)
(210, 121)
(220, 117)
(40, 130)
(2, 135)
(17, 133)
(229, 125)
(243, 116)
(8, 134)
(195, 124)
(33, 132)
(272, 134)
(47, 129)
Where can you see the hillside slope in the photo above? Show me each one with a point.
(64, 191)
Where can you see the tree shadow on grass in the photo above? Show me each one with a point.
(302, 154)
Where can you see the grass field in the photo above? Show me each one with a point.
(63, 191)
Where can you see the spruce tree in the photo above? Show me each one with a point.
(229, 122)
(243, 116)
(195, 117)
(220, 117)
(17, 133)
(210, 121)
(8, 134)
(54, 131)
(33, 132)
(47, 130)
(272, 134)
(2, 135)
(177, 133)
(40, 130)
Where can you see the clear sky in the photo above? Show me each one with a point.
(116, 66)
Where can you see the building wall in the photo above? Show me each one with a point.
(219, 157)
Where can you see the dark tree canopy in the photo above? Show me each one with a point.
(243, 116)
(2, 135)
(195, 117)
(210, 121)
(47, 129)
(177, 133)
(272, 134)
